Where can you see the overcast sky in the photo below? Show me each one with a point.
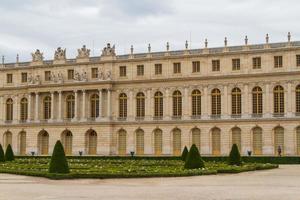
(31, 24)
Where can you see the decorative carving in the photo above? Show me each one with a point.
(60, 54)
(34, 80)
(37, 56)
(108, 50)
(104, 76)
(80, 77)
(83, 52)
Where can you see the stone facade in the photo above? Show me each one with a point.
(43, 101)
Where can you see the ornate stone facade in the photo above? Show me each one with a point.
(155, 103)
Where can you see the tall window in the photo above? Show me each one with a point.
(278, 139)
(257, 104)
(140, 142)
(123, 71)
(24, 109)
(176, 142)
(22, 143)
(140, 105)
(236, 64)
(47, 107)
(298, 60)
(70, 106)
(177, 104)
(298, 140)
(67, 140)
(91, 142)
(216, 141)
(9, 78)
(257, 141)
(24, 77)
(215, 65)
(236, 101)
(216, 102)
(196, 103)
(298, 99)
(236, 137)
(278, 100)
(7, 139)
(9, 109)
(158, 105)
(123, 105)
(95, 72)
(256, 63)
(278, 61)
(176, 68)
(94, 106)
(43, 143)
(196, 66)
(196, 138)
(122, 142)
(47, 76)
(157, 142)
(140, 70)
(158, 69)
(70, 74)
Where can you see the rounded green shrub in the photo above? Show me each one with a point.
(59, 163)
(184, 153)
(2, 158)
(9, 154)
(234, 156)
(194, 160)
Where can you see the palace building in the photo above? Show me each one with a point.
(155, 103)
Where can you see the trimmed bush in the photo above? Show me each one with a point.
(194, 160)
(2, 158)
(234, 156)
(9, 154)
(59, 163)
(184, 153)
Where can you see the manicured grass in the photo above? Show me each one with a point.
(122, 168)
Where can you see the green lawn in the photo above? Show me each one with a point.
(122, 168)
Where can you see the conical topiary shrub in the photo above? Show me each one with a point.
(184, 153)
(59, 163)
(9, 154)
(194, 160)
(2, 158)
(234, 156)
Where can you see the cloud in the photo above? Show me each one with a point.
(28, 25)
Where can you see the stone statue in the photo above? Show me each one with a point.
(30, 79)
(84, 76)
(101, 75)
(108, 50)
(60, 77)
(37, 79)
(37, 56)
(76, 76)
(83, 52)
(53, 77)
(60, 54)
(108, 75)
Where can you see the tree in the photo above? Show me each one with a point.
(2, 158)
(194, 160)
(59, 163)
(9, 154)
(184, 153)
(234, 156)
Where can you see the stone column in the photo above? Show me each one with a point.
(131, 106)
(245, 104)
(166, 104)
(225, 108)
(52, 105)
(100, 104)
(109, 104)
(83, 117)
(186, 103)
(59, 106)
(75, 106)
(148, 105)
(37, 107)
(204, 106)
(16, 117)
(267, 103)
(29, 108)
(2, 109)
(288, 100)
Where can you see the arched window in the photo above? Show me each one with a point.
(91, 142)
(157, 142)
(177, 104)
(67, 140)
(216, 102)
(139, 142)
(70, 106)
(279, 100)
(22, 143)
(123, 105)
(216, 141)
(236, 137)
(279, 139)
(94, 106)
(158, 105)
(9, 109)
(43, 143)
(47, 107)
(257, 141)
(7, 139)
(24, 109)
(196, 103)
(298, 99)
(298, 140)
(140, 105)
(176, 142)
(257, 101)
(122, 142)
(236, 101)
(196, 138)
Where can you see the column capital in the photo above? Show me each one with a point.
(59, 91)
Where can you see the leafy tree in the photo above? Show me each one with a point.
(2, 158)
(234, 156)
(9, 154)
(194, 160)
(184, 153)
(59, 163)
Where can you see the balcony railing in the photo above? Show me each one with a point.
(177, 117)
(196, 117)
(142, 118)
(156, 118)
(122, 118)
(236, 116)
(256, 115)
(278, 114)
(215, 116)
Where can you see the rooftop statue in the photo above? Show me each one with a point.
(37, 56)
(108, 50)
(83, 52)
(60, 54)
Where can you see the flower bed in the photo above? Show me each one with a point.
(122, 168)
